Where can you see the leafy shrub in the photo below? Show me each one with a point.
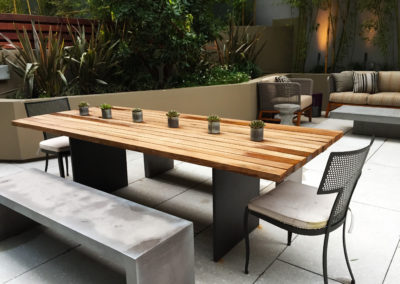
(42, 66)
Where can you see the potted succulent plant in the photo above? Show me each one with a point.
(173, 118)
(83, 108)
(257, 130)
(106, 111)
(4, 70)
(137, 115)
(213, 124)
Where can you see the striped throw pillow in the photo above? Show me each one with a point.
(365, 82)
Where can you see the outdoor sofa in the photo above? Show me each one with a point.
(386, 93)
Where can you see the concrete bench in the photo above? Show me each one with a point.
(154, 247)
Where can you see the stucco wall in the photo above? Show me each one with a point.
(232, 101)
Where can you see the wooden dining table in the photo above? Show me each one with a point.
(98, 154)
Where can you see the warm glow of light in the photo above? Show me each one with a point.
(322, 31)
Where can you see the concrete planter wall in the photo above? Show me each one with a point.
(19, 144)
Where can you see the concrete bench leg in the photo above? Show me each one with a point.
(170, 262)
(155, 165)
(12, 223)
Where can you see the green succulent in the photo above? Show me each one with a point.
(172, 113)
(137, 110)
(83, 104)
(105, 106)
(213, 118)
(257, 124)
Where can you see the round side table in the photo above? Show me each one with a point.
(286, 112)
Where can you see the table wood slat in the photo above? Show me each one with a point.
(285, 148)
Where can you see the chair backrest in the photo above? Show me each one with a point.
(272, 93)
(341, 175)
(46, 107)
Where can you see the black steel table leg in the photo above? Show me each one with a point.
(155, 165)
(98, 166)
(231, 194)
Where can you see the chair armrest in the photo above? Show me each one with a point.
(331, 84)
(307, 85)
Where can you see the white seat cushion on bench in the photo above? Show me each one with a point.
(295, 204)
(57, 144)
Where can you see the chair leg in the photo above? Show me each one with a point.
(310, 115)
(66, 163)
(328, 109)
(298, 118)
(61, 165)
(324, 258)
(47, 163)
(246, 236)
(289, 238)
(345, 253)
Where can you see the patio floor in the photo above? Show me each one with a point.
(42, 256)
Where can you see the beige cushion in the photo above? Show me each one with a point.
(57, 144)
(385, 99)
(349, 98)
(389, 81)
(305, 101)
(295, 204)
(343, 81)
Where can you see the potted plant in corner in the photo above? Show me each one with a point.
(83, 109)
(213, 124)
(106, 111)
(4, 70)
(137, 115)
(257, 130)
(173, 118)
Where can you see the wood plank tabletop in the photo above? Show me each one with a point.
(284, 149)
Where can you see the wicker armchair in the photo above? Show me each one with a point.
(297, 91)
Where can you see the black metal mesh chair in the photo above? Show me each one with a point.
(52, 144)
(307, 210)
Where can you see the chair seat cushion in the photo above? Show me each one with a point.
(385, 99)
(57, 144)
(305, 101)
(349, 98)
(295, 204)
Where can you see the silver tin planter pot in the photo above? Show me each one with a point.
(257, 134)
(137, 116)
(106, 113)
(173, 122)
(4, 72)
(84, 111)
(213, 127)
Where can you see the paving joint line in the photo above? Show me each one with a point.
(313, 272)
(44, 262)
(276, 258)
(391, 260)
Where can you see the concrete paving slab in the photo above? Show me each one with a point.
(393, 276)
(379, 186)
(71, 267)
(28, 250)
(370, 246)
(8, 169)
(284, 273)
(266, 244)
